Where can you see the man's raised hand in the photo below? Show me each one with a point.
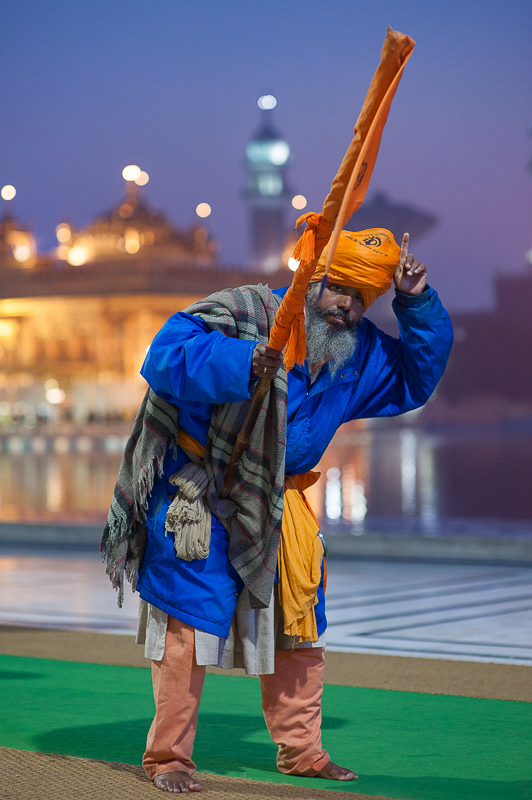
(410, 276)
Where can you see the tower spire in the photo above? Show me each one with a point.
(267, 159)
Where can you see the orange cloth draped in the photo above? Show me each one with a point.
(299, 560)
(187, 442)
(347, 193)
(364, 259)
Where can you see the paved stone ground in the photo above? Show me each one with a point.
(434, 610)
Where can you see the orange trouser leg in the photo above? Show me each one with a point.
(291, 703)
(177, 685)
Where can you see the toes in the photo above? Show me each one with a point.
(334, 772)
(348, 776)
(177, 782)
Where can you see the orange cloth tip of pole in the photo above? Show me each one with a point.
(346, 195)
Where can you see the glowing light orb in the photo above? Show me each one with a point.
(77, 255)
(131, 241)
(21, 252)
(8, 192)
(131, 173)
(143, 179)
(266, 102)
(299, 201)
(55, 396)
(63, 232)
(279, 153)
(203, 210)
(132, 246)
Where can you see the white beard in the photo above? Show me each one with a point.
(326, 344)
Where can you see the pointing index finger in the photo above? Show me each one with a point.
(404, 247)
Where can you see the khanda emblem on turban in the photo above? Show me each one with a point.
(372, 241)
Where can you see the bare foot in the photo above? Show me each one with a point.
(176, 782)
(333, 772)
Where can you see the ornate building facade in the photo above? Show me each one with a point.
(78, 321)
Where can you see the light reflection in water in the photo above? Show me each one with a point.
(333, 494)
(354, 492)
(386, 478)
(408, 444)
(418, 479)
(347, 472)
(359, 504)
(54, 488)
(428, 489)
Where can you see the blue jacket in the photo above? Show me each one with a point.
(193, 367)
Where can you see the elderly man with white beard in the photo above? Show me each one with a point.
(201, 601)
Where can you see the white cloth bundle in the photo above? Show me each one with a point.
(188, 517)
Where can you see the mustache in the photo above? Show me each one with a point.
(338, 314)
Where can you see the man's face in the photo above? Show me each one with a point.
(341, 306)
(331, 325)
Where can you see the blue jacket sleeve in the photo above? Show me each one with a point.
(398, 375)
(188, 362)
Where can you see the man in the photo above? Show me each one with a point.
(202, 603)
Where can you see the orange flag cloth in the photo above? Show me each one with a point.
(366, 260)
(299, 559)
(347, 193)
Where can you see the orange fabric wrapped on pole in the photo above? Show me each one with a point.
(347, 193)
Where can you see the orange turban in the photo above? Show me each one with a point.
(365, 260)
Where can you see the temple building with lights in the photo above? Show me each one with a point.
(130, 228)
(75, 323)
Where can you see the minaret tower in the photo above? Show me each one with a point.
(267, 158)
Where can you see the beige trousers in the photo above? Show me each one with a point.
(291, 704)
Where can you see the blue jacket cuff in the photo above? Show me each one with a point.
(413, 300)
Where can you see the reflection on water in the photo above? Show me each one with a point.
(375, 479)
(408, 471)
(58, 486)
(397, 479)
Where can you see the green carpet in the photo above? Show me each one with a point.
(403, 745)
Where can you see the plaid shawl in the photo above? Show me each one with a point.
(253, 511)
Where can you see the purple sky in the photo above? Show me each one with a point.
(172, 85)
